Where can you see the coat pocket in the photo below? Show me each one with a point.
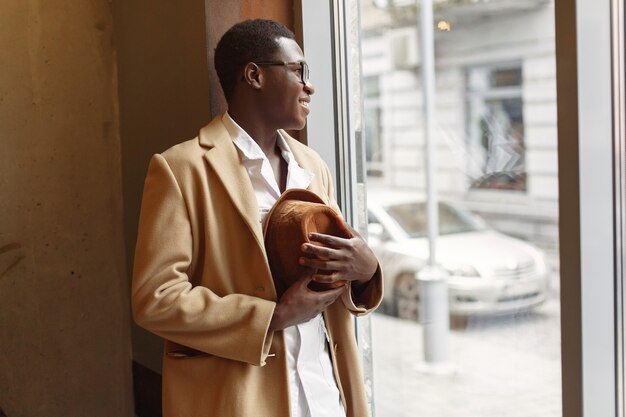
(184, 352)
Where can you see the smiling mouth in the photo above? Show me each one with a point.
(304, 103)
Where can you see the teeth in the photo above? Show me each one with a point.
(304, 103)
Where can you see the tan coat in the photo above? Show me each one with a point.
(202, 282)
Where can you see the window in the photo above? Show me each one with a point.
(372, 125)
(510, 365)
(495, 124)
(501, 300)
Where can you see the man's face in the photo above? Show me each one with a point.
(286, 98)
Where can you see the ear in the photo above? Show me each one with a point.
(252, 75)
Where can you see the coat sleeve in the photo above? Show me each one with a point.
(166, 303)
(370, 297)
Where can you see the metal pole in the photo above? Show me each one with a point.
(432, 279)
(428, 88)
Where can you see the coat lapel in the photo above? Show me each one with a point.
(223, 157)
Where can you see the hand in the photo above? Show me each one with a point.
(300, 304)
(349, 259)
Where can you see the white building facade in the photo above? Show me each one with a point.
(496, 136)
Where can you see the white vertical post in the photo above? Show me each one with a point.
(597, 206)
(428, 87)
(432, 279)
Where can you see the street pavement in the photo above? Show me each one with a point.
(505, 366)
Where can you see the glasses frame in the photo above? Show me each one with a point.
(304, 68)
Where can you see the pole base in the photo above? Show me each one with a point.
(436, 368)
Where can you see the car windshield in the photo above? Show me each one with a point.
(412, 218)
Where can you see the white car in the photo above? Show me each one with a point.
(489, 272)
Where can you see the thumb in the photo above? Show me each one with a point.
(333, 294)
(345, 227)
(306, 274)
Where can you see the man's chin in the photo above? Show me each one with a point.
(297, 126)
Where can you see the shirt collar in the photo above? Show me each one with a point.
(297, 177)
(244, 142)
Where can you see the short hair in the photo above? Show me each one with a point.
(247, 41)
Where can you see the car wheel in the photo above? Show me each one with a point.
(406, 296)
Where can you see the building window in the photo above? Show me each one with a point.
(495, 127)
(372, 123)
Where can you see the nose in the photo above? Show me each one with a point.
(308, 87)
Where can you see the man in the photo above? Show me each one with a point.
(201, 279)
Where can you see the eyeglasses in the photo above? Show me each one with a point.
(304, 68)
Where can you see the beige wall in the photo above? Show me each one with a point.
(64, 316)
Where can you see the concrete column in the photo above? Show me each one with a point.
(64, 313)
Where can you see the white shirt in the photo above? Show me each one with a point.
(313, 390)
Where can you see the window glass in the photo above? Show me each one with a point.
(495, 349)
(412, 218)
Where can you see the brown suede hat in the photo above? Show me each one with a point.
(286, 227)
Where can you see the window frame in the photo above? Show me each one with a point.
(336, 112)
(586, 140)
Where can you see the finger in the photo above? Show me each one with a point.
(331, 295)
(305, 279)
(328, 278)
(307, 271)
(321, 252)
(329, 240)
(328, 265)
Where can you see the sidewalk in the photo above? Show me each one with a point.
(506, 367)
